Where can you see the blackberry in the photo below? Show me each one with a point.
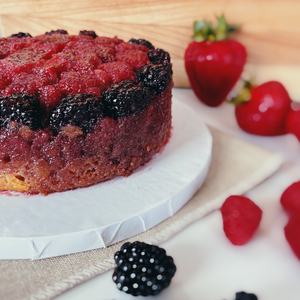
(155, 77)
(142, 42)
(125, 98)
(245, 296)
(81, 110)
(60, 31)
(142, 269)
(21, 35)
(21, 108)
(158, 56)
(89, 33)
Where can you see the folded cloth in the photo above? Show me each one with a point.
(236, 167)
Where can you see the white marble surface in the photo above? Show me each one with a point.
(208, 266)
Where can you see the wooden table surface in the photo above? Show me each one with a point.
(270, 28)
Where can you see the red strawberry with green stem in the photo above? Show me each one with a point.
(213, 62)
(264, 110)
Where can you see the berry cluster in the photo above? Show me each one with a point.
(81, 110)
(125, 98)
(155, 77)
(83, 70)
(142, 269)
(20, 108)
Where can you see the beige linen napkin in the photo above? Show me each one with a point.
(236, 167)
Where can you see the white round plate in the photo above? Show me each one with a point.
(39, 226)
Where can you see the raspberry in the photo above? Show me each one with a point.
(26, 83)
(74, 83)
(135, 58)
(125, 98)
(108, 41)
(21, 108)
(58, 31)
(49, 97)
(2, 82)
(106, 54)
(245, 296)
(142, 42)
(291, 231)
(158, 56)
(118, 71)
(142, 269)
(86, 62)
(155, 77)
(103, 79)
(20, 35)
(81, 110)
(124, 47)
(61, 62)
(241, 218)
(21, 61)
(11, 45)
(88, 33)
(290, 198)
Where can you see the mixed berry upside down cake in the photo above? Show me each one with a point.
(76, 110)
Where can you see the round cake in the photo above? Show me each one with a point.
(76, 110)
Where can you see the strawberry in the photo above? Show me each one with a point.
(290, 199)
(241, 218)
(213, 62)
(266, 110)
(292, 234)
(292, 122)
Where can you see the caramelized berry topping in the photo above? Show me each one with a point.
(142, 42)
(158, 56)
(125, 98)
(21, 108)
(81, 110)
(155, 77)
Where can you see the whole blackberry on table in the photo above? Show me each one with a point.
(81, 110)
(21, 35)
(125, 98)
(158, 56)
(60, 31)
(21, 108)
(142, 269)
(155, 77)
(141, 42)
(89, 33)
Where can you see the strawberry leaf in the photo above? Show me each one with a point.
(205, 31)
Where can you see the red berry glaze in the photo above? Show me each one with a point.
(241, 218)
(292, 122)
(290, 199)
(291, 231)
(265, 113)
(213, 68)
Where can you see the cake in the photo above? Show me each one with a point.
(76, 110)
